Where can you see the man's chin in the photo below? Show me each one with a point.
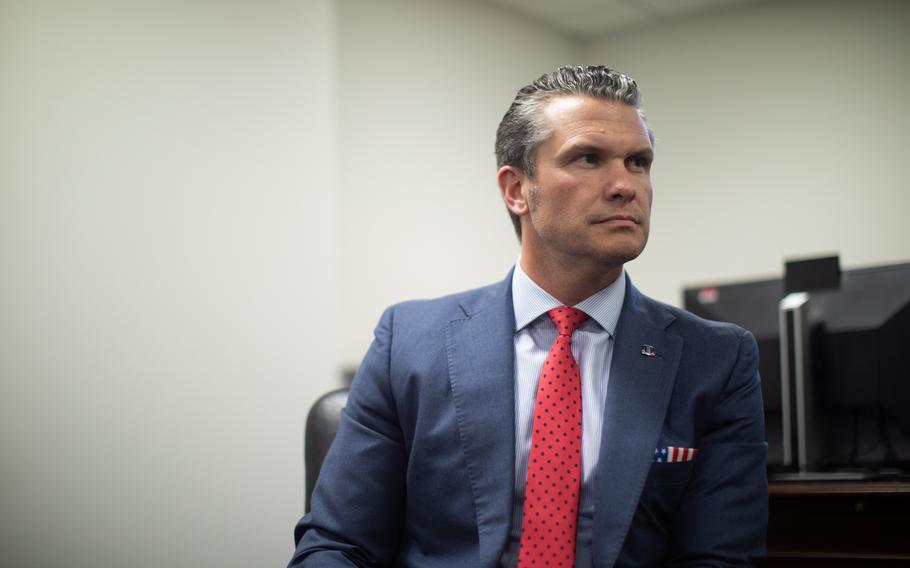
(621, 254)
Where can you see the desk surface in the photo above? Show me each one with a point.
(845, 488)
(839, 523)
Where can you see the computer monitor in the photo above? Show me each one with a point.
(860, 346)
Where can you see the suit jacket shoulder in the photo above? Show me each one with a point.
(430, 312)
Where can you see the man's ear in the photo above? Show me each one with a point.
(511, 183)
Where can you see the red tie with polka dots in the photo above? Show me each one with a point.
(554, 464)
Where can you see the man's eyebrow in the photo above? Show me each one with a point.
(586, 147)
(593, 148)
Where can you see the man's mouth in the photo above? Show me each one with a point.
(617, 220)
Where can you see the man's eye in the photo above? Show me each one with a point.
(589, 159)
(639, 163)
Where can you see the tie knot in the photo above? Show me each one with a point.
(566, 319)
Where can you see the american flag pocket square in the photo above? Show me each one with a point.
(674, 454)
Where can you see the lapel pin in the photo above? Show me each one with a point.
(648, 351)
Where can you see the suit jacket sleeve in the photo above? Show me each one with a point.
(358, 500)
(724, 514)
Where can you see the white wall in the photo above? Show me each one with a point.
(165, 175)
(421, 96)
(782, 132)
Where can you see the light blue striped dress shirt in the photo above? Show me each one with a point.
(592, 347)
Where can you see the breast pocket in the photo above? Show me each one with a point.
(663, 473)
(664, 491)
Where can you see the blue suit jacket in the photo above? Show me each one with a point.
(422, 471)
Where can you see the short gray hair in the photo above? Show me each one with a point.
(522, 128)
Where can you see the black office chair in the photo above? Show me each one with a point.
(321, 426)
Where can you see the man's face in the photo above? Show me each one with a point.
(590, 200)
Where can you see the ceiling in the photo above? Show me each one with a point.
(586, 20)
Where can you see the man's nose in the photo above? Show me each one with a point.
(619, 183)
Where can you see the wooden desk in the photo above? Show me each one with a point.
(824, 523)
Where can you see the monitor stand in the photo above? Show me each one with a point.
(802, 432)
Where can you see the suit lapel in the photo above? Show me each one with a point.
(637, 399)
(480, 353)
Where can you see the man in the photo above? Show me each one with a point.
(559, 417)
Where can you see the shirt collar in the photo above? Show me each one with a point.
(530, 301)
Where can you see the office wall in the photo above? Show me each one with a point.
(166, 173)
(420, 97)
(782, 132)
